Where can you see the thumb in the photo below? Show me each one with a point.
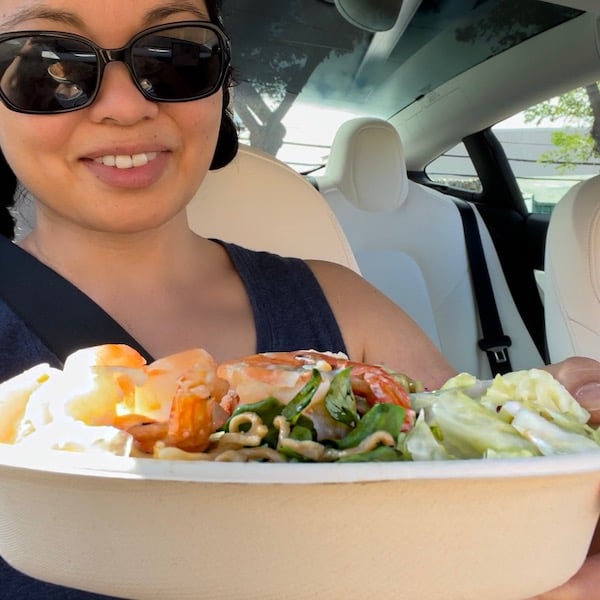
(588, 395)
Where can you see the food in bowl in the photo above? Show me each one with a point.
(216, 528)
(302, 406)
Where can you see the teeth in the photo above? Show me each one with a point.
(126, 161)
(123, 162)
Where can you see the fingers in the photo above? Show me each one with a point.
(584, 585)
(581, 377)
(588, 396)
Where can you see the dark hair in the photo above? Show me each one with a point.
(227, 142)
(225, 151)
(7, 198)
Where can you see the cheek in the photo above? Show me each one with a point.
(9, 141)
(28, 143)
(202, 131)
(205, 123)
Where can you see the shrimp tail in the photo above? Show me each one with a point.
(190, 420)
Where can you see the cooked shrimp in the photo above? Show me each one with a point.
(94, 385)
(144, 431)
(190, 419)
(283, 374)
(153, 399)
(105, 355)
(180, 404)
(277, 374)
(188, 426)
(372, 382)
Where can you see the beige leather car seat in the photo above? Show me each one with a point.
(572, 274)
(259, 202)
(408, 240)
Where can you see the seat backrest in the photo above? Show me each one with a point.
(259, 202)
(572, 274)
(409, 242)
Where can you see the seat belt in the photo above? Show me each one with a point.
(61, 315)
(495, 342)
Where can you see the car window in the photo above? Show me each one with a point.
(455, 169)
(553, 145)
(550, 146)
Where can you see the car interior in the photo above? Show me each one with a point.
(448, 151)
(234, 204)
(409, 242)
(359, 98)
(572, 272)
(345, 106)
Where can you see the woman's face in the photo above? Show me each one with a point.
(79, 164)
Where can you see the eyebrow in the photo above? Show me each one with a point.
(171, 8)
(69, 18)
(41, 12)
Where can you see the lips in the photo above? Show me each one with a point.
(128, 168)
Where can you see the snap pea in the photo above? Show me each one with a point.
(340, 401)
(301, 400)
(380, 417)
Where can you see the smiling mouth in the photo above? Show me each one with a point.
(126, 161)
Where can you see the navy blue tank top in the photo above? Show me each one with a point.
(290, 313)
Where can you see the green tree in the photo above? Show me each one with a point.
(579, 110)
(510, 22)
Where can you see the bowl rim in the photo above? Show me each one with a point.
(101, 465)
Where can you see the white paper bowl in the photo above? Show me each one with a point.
(460, 530)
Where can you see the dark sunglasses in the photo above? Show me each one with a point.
(49, 72)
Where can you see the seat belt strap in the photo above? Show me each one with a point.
(63, 317)
(495, 342)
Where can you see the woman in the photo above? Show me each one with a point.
(112, 162)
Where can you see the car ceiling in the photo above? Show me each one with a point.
(293, 51)
(592, 6)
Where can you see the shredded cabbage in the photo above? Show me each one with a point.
(523, 413)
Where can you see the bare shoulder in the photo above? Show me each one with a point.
(375, 329)
(350, 294)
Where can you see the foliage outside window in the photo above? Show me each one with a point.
(551, 147)
(579, 142)
(573, 151)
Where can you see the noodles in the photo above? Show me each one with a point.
(250, 454)
(245, 446)
(252, 437)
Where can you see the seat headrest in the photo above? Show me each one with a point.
(572, 274)
(367, 165)
(259, 202)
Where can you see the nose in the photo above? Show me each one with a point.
(119, 100)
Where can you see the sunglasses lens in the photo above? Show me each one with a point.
(47, 74)
(53, 73)
(178, 64)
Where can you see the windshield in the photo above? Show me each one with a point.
(301, 69)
